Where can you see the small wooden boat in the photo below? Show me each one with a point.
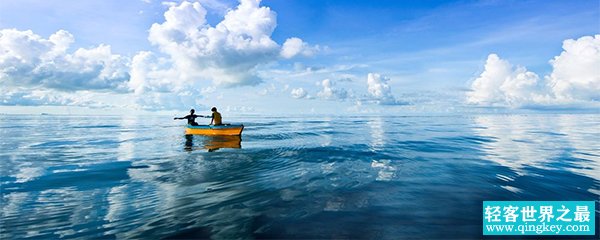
(212, 130)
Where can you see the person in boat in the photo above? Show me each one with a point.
(216, 118)
(191, 118)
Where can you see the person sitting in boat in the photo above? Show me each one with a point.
(191, 118)
(216, 117)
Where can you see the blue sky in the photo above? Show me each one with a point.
(343, 56)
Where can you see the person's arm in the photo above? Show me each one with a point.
(212, 118)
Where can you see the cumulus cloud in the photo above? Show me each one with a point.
(295, 46)
(28, 59)
(379, 89)
(156, 85)
(330, 92)
(192, 55)
(299, 93)
(576, 71)
(196, 53)
(575, 79)
(38, 71)
(228, 53)
(150, 73)
(501, 84)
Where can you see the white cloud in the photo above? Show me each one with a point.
(26, 97)
(228, 53)
(152, 74)
(522, 87)
(168, 3)
(157, 86)
(38, 71)
(34, 97)
(486, 88)
(576, 73)
(575, 80)
(192, 55)
(208, 90)
(501, 84)
(299, 93)
(379, 89)
(330, 92)
(295, 46)
(169, 100)
(29, 60)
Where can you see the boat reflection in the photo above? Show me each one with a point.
(212, 143)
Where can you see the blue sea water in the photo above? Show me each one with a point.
(331, 177)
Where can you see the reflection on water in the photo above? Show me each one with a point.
(386, 170)
(377, 134)
(530, 144)
(521, 142)
(212, 143)
(371, 177)
(512, 144)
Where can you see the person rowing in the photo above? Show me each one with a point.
(215, 120)
(191, 118)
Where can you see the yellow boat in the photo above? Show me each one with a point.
(212, 130)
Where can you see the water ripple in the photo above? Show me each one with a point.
(356, 177)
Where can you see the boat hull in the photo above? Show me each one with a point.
(210, 130)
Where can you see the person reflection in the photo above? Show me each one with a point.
(217, 142)
(213, 143)
(189, 142)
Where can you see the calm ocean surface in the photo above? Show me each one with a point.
(352, 177)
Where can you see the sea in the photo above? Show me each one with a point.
(342, 177)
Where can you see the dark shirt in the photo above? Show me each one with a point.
(191, 119)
